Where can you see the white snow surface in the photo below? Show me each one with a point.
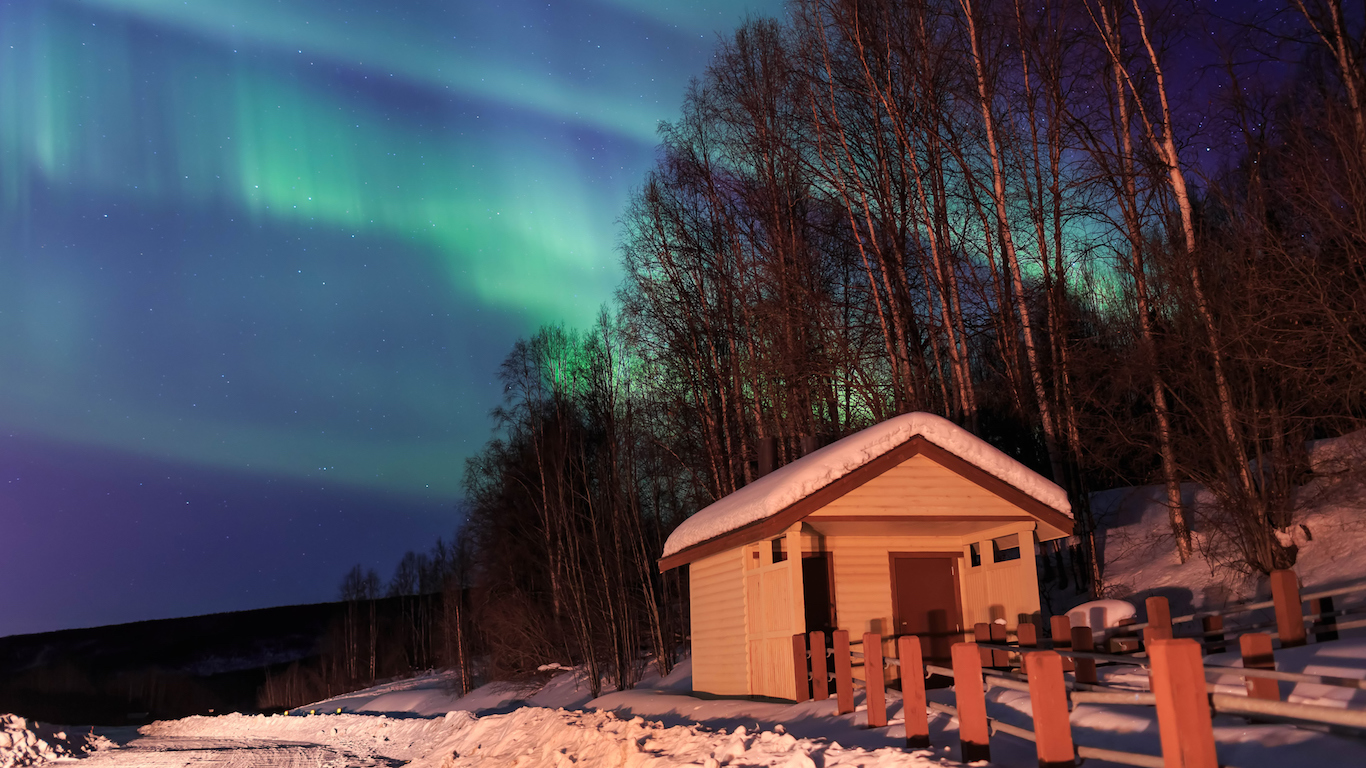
(557, 724)
(1329, 529)
(554, 721)
(792, 482)
(1101, 614)
(24, 742)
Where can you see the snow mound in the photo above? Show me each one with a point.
(786, 485)
(1101, 614)
(657, 725)
(1329, 530)
(560, 738)
(26, 743)
(369, 739)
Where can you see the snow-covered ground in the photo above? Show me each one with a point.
(1329, 529)
(555, 722)
(24, 742)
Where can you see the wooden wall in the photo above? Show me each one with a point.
(863, 581)
(920, 486)
(776, 611)
(719, 653)
(922, 490)
(746, 607)
(1001, 590)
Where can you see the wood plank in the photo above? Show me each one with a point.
(1183, 712)
(820, 677)
(969, 695)
(1285, 591)
(913, 709)
(844, 678)
(873, 680)
(717, 605)
(1048, 700)
(1255, 648)
(801, 667)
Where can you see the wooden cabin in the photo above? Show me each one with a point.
(912, 526)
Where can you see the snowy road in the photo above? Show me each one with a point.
(181, 752)
(527, 737)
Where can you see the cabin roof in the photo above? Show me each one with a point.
(783, 490)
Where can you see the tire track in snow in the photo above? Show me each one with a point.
(182, 752)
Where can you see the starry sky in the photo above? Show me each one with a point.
(260, 259)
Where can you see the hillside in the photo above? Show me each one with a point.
(167, 668)
(1140, 555)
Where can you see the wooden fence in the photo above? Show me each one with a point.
(1176, 672)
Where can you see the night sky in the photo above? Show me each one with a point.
(259, 262)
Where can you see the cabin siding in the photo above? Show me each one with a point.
(863, 581)
(917, 487)
(717, 608)
(1006, 590)
(745, 607)
(776, 611)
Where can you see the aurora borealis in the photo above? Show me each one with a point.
(259, 262)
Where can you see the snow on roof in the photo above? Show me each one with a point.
(786, 485)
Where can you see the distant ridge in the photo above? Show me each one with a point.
(163, 668)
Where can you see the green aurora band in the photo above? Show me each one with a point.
(489, 148)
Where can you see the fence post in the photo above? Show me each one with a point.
(1048, 699)
(801, 667)
(1213, 643)
(1285, 593)
(981, 633)
(1125, 643)
(999, 659)
(820, 674)
(844, 674)
(1085, 668)
(1159, 620)
(913, 709)
(1325, 628)
(872, 678)
(1027, 636)
(971, 700)
(1257, 654)
(1061, 630)
(1183, 712)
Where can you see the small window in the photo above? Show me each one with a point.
(975, 554)
(779, 553)
(1006, 548)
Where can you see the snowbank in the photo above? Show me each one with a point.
(1140, 553)
(777, 490)
(527, 736)
(23, 742)
(560, 738)
(1100, 615)
(365, 739)
(659, 726)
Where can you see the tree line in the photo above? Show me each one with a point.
(1122, 240)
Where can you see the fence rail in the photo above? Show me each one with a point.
(1183, 701)
(1283, 590)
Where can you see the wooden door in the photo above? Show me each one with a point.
(926, 601)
